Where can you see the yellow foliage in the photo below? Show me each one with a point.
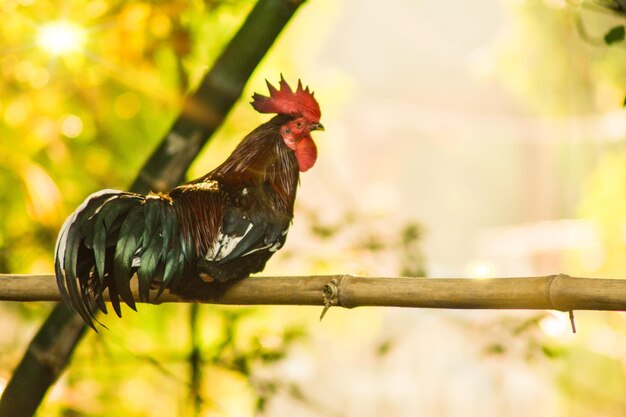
(604, 203)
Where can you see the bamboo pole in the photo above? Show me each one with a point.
(551, 292)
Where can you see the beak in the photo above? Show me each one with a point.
(317, 126)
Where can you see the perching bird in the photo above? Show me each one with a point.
(222, 226)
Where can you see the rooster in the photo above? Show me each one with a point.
(218, 228)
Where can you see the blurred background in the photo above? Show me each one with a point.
(469, 139)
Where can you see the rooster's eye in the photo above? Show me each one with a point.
(299, 125)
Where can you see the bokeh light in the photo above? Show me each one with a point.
(555, 324)
(71, 125)
(60, 38)
(481, 269)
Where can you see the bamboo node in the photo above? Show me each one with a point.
(554, 299)
(331, 295)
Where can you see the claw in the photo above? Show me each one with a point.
(206, 277)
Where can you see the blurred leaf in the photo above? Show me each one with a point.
(526, 325)
(617, 5)
(495, 349)
(411, 233)
(553, 351)
(383, 348)
(614, 35)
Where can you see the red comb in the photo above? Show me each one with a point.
(285, 101)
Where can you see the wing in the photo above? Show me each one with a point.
(227, 226)
(112, 235)
(242, 235)
(244, 243)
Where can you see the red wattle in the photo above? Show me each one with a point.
(306, 153)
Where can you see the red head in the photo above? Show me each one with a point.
(305, 112)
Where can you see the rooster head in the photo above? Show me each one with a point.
(304, 112)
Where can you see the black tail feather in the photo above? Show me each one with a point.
(66, 254)
(108, 239)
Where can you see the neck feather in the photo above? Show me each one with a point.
(262, 159)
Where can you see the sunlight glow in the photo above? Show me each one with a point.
(555, 325)
(480, 269)
(60, 38)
